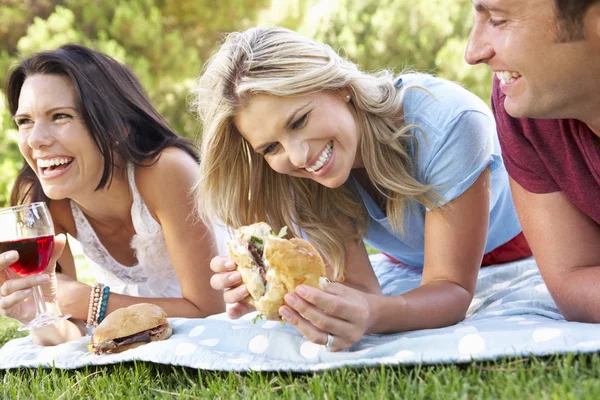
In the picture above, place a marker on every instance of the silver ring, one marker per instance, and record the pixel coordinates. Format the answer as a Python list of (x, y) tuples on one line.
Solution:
[(330, 339)]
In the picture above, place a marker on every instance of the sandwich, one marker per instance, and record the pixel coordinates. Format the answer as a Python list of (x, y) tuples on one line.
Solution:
[(272, 266), (130, 327)]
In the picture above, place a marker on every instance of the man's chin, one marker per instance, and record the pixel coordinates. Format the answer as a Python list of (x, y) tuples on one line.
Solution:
[(518, 110)]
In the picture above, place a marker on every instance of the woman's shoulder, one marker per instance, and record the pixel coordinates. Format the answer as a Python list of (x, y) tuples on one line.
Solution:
[(171, 172), (63, 216), (437, 102)]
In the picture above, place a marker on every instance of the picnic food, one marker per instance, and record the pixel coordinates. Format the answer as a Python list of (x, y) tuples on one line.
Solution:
[(130, 327), (272, 266)]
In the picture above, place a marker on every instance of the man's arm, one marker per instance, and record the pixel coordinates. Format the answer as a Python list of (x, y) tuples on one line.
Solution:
[(566, 245)]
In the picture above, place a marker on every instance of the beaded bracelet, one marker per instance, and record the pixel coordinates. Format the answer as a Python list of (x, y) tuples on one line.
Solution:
[(98, 304), (95, 296), (103, 304)]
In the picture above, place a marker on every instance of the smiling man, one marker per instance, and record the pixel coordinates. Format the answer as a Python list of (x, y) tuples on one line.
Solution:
[(546, 101)]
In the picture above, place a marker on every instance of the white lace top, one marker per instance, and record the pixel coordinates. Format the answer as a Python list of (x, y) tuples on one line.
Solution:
[(153, 275)]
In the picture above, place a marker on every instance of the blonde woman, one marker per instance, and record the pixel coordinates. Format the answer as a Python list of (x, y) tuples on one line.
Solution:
[(295, 135)]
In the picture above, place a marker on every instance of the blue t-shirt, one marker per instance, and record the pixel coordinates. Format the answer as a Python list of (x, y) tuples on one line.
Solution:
[(457, 142)]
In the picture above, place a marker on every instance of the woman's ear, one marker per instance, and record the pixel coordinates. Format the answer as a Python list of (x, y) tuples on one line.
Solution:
[(591, 26), (345, 95)]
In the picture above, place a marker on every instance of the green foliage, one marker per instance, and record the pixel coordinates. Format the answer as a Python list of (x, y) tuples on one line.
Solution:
[(50, 33), (426, 35), (165, 42), (450, 64), (10, 158)]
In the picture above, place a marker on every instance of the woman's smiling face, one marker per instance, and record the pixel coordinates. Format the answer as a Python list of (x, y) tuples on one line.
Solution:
[(54, 140), (313, 136)]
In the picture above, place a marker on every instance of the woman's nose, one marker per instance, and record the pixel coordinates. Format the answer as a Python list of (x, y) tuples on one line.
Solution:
[(39, 136), (298, 153)]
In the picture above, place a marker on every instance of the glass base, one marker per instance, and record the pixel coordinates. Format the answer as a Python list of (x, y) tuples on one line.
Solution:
[(43, 320)]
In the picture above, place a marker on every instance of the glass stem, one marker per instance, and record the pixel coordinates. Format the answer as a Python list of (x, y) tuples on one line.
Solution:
[(38, 298)]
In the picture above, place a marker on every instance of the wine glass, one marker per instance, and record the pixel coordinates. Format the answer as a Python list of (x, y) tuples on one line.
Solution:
[(29, 230)]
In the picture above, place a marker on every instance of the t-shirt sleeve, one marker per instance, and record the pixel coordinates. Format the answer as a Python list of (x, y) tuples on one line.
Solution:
[(521, 159), (463, 149)]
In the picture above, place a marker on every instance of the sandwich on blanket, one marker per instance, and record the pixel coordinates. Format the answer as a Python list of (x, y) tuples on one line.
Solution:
[(130, 327)]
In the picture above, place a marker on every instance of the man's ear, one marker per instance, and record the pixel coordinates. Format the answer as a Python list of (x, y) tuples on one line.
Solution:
[(591, 26)]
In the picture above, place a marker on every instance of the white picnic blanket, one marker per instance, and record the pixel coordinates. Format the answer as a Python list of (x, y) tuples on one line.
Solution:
[(512, 314)]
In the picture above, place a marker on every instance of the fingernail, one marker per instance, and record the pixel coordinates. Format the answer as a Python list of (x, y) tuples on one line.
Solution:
[(27, 292), (42, 278), (229, 265), (301, 290), (234, 276)]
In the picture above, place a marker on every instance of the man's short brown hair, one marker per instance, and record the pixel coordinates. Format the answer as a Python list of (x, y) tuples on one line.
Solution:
[(570, 15)]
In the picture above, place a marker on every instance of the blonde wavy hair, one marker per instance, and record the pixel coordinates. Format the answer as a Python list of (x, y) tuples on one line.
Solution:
[(237, 186)]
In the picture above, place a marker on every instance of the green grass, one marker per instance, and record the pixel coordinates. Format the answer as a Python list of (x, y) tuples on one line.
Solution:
[(556, 377)]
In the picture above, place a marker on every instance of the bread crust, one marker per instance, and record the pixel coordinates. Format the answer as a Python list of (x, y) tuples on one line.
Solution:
[(288, 263), (130, 320)]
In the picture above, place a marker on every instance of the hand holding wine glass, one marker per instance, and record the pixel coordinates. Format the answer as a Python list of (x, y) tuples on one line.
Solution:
[(14, 290), (29, 230)]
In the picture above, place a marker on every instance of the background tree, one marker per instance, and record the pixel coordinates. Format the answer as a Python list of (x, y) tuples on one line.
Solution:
[(426, 35), (166, 42)]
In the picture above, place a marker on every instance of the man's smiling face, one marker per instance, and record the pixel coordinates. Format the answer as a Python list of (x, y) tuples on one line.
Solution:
[(541, 75)]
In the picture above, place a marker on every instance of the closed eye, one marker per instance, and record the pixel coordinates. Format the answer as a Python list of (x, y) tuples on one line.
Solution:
[(300, 122), (496, 22), (59, 116), (21, 122), (270, 148)]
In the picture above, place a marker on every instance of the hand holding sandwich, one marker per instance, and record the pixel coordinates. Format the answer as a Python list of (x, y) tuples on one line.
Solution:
[(270, 266), (338, 310), (228, 278), (326, 313)]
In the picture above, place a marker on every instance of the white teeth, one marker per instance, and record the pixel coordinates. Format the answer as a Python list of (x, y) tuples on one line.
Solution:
[(507, 76), (322, 159), (53, 162)]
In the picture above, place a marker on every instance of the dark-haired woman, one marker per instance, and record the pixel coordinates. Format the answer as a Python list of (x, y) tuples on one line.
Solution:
[(117, 179)]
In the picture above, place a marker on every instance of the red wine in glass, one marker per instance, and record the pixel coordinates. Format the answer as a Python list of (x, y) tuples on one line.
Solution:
[(34, 254), (29, 230)]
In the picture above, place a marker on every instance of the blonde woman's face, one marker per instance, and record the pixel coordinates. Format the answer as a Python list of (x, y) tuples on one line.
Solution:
[(314, 136)]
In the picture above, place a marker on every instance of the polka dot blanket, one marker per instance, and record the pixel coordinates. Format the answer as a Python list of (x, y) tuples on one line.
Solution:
[(512, 314)]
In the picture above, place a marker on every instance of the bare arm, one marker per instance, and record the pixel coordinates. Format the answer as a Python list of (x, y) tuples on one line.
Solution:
[(566, 246), (454, 246), (166, 190), (358, 272)]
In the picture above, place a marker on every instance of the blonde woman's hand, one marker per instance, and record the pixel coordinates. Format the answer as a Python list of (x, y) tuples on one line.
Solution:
[(337, 310), (16, 299), (227, 278)]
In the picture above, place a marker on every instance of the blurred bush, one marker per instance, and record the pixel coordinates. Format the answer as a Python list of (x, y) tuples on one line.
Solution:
[(166, 42)]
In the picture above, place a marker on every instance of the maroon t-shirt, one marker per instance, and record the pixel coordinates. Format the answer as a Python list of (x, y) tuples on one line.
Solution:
[(550, 155)]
